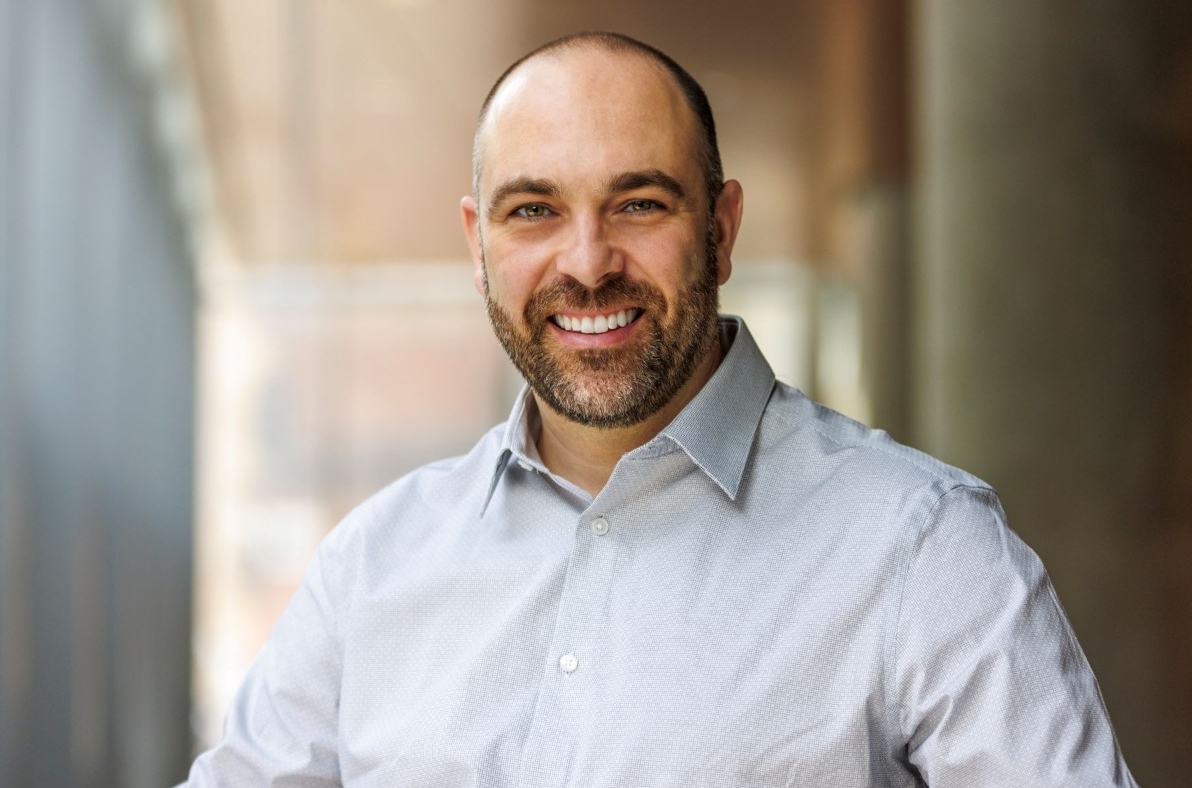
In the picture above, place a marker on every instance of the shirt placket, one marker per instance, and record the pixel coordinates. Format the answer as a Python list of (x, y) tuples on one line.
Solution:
[(573, 668)]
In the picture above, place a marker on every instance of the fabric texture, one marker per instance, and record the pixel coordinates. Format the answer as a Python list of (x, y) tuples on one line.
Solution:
[(766, 594)]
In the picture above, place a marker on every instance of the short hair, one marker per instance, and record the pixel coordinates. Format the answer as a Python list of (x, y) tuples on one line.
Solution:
[(693, 93)]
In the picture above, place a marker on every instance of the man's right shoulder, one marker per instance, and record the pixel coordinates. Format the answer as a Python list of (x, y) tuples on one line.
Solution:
[(444, 493)]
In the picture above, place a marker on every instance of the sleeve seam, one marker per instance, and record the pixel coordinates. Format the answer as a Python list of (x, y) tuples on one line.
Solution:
[(890, 671)]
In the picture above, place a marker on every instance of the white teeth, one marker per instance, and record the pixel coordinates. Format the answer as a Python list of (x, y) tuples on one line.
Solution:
[(598, 325)]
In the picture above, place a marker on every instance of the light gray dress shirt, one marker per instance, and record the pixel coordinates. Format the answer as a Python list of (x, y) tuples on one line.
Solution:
[(766, 594)]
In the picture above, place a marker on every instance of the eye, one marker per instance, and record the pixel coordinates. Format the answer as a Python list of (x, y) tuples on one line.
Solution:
[(533, 211), (640, 206)]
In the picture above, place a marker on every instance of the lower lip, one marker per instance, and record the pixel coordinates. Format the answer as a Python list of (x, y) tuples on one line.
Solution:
[(609, 338)]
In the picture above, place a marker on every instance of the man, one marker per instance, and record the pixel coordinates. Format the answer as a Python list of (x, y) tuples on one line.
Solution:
[(666, 569)]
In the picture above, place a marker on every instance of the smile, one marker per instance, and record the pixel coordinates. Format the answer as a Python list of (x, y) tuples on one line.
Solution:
[(596, 325)]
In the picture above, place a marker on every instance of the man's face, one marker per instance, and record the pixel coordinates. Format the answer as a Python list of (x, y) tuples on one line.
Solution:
[(595, 248)]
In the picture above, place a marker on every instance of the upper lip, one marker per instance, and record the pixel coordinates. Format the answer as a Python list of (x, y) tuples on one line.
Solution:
[(594, 313), (595, 322)]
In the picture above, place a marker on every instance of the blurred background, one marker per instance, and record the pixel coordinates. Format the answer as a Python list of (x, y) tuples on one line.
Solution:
[(235, 300)]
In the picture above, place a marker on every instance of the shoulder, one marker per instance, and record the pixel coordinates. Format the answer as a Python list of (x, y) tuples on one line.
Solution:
[(444, 494), (813, 456), (828, 436)]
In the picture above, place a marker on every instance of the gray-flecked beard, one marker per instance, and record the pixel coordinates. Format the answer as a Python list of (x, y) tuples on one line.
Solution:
[(621, 386)]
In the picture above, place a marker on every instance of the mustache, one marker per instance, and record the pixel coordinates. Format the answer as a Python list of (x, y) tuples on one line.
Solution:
[(567, 293)]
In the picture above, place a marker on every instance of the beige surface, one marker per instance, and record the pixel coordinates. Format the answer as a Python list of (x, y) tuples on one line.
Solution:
[(340, 130)]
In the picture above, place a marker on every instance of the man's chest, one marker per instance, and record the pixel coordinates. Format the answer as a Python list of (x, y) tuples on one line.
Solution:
[(619, 661)]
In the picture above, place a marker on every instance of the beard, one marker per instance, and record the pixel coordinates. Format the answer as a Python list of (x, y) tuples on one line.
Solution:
[(625, 385)]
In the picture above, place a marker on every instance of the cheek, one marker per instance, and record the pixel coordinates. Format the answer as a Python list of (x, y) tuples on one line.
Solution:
[(669, 262), (512, 278)]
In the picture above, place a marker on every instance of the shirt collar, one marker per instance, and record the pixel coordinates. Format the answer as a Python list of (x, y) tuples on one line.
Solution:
[(516, 440), (715, 429)]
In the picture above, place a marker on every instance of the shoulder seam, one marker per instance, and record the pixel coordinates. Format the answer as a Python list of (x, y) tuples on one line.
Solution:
[(934, 473)]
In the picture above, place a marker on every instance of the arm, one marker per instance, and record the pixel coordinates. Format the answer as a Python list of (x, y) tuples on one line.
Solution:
[(993, 688), (282, 727)]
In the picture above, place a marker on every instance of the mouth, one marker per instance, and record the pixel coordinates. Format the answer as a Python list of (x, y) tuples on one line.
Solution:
[(595, 324)]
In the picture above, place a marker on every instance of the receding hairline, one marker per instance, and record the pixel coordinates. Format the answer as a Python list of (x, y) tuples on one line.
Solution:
[(688, 88), (613, 43)]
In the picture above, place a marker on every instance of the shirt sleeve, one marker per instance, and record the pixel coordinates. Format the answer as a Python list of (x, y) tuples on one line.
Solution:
[(993, 689), (281, 730)]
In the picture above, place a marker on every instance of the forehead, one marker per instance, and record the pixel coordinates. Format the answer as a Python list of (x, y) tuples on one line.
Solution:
[(586, 113)]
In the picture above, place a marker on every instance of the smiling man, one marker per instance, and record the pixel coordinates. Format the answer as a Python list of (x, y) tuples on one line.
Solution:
[(666, 569), (608, 238)]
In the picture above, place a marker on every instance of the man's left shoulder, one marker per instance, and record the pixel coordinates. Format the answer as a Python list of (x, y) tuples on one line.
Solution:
[(820, 448)]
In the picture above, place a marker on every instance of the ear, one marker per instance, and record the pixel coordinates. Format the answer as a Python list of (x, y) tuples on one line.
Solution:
[(471, 218), (727, 219)]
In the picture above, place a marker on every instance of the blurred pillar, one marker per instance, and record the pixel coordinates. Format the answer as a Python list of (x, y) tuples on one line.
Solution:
[(854, 159), (96, 379), (1042, 356), (860, 154)]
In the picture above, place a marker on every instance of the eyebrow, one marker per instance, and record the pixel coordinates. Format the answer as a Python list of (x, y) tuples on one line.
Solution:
[(628, 181), (543, 187)]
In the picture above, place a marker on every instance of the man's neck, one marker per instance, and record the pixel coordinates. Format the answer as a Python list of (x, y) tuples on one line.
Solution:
[(586, 456)]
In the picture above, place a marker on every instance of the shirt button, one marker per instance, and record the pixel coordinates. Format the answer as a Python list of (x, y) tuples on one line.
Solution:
[(600, 526), (568, 663)]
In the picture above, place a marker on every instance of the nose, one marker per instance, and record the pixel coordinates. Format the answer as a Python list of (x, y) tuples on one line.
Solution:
[(587, 255)]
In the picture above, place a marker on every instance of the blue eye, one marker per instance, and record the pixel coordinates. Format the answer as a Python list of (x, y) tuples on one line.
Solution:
[(533, 211)]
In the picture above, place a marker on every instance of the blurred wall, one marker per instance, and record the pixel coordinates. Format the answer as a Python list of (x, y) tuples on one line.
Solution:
[(96, 382), (1051, 301)]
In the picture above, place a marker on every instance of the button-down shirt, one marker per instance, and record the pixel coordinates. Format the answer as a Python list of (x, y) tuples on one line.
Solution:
[(765, 594)]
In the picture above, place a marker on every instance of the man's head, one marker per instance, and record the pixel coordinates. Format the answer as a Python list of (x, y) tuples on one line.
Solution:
[(600, 227), (693, 93)]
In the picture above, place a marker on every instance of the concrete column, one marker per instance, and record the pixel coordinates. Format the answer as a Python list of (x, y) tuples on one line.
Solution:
[(1042, 357), (96, 392)]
